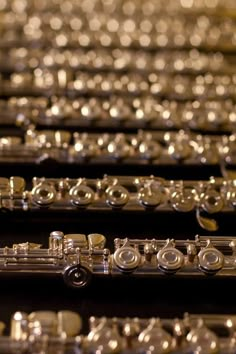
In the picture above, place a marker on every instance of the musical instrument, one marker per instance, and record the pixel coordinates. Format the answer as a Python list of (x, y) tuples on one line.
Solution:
[(111, 68), (50, 332), (159, 148), (126, 193), (78, 258), (119, 112)]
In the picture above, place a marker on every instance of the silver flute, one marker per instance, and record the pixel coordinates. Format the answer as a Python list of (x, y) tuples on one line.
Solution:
[(122, 60), (48, 332), (119, 112), (79, 258), (161, 148), (130, 112), (68, 82), (126, 193)]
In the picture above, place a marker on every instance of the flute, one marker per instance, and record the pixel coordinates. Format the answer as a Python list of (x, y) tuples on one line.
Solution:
[(122, 193), (72, 83), (105, 60), (118, 112), (79, 258), (160, 148), (50, 332)]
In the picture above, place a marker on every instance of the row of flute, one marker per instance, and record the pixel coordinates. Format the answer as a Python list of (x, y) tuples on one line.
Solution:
[(101, 25), (79, 258), (211, 7), (143, 147), (48, 332)]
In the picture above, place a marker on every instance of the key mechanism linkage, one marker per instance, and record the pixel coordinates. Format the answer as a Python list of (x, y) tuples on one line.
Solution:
[(128, 193), (79, 258)]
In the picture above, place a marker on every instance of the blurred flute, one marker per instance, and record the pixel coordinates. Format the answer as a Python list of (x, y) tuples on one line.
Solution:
[(79, 258), (44, 82), (42, 332), (105, 60), (120, 111), (118, 26), (165, 148)]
